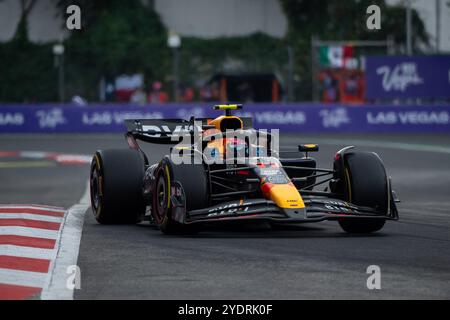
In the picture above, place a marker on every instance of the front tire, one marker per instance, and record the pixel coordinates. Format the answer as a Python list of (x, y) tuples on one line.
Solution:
[(366, 184), (116, 186)]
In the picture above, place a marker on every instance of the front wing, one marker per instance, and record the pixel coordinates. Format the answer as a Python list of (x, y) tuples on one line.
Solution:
[(316, 209)]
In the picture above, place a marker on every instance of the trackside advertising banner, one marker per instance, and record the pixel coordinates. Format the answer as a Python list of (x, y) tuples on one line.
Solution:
[(314, 118), (408, 77)]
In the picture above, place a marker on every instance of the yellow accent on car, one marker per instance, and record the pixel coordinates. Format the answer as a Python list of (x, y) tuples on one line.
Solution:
[(97, 161), (286, 196), (309, 147), (226, 107), (217, 144), (218, 122)]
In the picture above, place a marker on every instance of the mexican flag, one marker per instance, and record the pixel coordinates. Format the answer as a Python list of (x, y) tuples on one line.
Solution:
[(335, 56)]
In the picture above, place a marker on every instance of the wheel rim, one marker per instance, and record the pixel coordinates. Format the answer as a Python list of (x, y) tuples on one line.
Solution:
[(95, 189), (161, 198)]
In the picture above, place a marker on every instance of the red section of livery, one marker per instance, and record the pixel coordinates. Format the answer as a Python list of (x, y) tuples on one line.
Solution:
[(24, 264)]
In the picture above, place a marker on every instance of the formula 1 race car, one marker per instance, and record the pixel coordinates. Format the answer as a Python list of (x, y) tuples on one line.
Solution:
[(222, 169)]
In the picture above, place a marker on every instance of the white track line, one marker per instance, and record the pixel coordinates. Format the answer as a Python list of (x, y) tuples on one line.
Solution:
[(67, 249), (43, 206), (30, 217), (29, 232), (22, 278), (26, 252)]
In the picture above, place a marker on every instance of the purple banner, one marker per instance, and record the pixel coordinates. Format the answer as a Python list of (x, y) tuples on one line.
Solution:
[(314, 118), (408, 77)]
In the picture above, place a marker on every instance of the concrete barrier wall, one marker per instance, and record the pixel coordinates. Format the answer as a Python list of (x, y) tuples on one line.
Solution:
[(303, 117)]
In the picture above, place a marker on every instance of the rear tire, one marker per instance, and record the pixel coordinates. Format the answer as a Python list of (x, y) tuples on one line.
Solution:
[(366, 185), (194, 181), (116, 186)]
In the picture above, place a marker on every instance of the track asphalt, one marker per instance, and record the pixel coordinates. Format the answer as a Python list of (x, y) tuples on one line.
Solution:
[(290, 262)]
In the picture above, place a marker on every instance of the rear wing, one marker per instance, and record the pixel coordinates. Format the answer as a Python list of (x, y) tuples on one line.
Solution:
[(163, 131)]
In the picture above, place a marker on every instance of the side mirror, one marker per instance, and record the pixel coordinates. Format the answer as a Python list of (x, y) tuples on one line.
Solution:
[(308, 148)]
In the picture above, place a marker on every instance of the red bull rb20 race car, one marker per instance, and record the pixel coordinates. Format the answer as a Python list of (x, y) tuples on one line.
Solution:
[(222, 170)]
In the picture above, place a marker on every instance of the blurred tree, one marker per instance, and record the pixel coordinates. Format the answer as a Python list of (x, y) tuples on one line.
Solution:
[(28, 74), (342, 20), (91, 9), (26, 6), (128, 37), (116, 37), (346, 20), (255, 53)]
